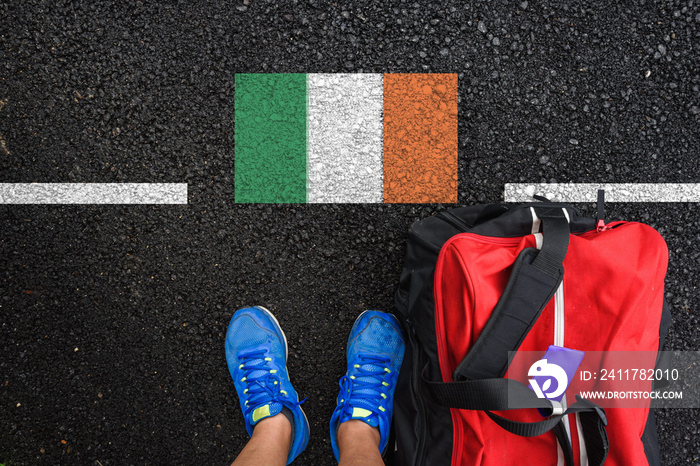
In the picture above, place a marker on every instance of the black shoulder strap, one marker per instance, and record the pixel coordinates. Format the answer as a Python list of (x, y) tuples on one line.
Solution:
[(535, 277)]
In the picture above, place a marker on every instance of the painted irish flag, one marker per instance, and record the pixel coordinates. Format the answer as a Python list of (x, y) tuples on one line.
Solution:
[(346, 138)]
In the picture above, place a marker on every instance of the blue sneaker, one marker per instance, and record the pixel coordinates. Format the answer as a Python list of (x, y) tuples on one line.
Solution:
[(375, 352), (256, 353)]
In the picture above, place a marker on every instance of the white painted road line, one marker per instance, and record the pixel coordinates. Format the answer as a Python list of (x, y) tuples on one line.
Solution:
[(93, 193), (614, 192)]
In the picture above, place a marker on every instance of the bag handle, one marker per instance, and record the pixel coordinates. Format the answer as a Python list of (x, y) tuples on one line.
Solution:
[(535, 278)]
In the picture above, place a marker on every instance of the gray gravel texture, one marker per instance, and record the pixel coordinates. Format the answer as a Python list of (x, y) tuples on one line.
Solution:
[(112, 318)]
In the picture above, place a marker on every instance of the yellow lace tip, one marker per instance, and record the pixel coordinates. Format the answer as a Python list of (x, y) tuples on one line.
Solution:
[(273, 371), (381, 409), (352, 377), (384, 396), (245, 392), (243, 379), (356, 366), (268, 359), (385, 384), (241, 366), (283, 392), (386, 369)]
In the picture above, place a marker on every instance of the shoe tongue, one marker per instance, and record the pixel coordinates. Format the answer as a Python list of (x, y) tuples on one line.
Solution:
[(360, 409), (369, 379), (268, 409), (258, 373)]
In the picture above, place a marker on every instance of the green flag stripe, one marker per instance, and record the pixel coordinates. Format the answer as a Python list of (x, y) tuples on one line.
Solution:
[(270, 139)]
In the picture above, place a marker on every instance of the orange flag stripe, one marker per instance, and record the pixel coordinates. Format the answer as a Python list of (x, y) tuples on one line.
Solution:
[(420, 138)]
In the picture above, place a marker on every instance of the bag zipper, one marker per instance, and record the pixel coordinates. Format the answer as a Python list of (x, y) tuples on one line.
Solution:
[(517, 239), (602, 226)]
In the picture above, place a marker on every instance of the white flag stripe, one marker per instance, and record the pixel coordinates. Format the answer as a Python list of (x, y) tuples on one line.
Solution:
[(614, 192), (93, 193), (344, 145)]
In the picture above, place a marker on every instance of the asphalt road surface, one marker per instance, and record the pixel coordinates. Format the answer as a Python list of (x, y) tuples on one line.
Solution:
[(112, 317)]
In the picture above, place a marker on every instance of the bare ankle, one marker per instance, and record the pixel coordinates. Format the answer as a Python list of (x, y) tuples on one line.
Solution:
[(355, 427), (358, 443), (274, 425), (269, 444)]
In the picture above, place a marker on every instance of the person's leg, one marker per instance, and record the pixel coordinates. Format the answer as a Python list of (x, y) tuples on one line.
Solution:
[(358, 443), (361, 421), (269, 445), (256, 354)]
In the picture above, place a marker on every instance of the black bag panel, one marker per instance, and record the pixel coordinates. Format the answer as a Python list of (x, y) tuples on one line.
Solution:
[(423, 428), (407, 420), (665, 324), (414, 297), (650, 440), (437, 229), (425, 239), (440, 434), (420, 253)]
